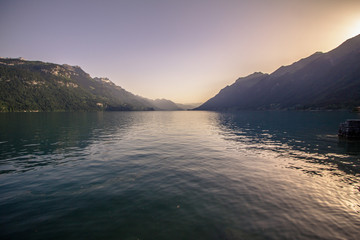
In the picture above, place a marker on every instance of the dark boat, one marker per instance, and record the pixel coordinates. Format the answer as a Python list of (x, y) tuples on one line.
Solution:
[(350, 129)]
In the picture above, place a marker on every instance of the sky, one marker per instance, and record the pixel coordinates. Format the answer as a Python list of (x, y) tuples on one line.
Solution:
[(185, 51)]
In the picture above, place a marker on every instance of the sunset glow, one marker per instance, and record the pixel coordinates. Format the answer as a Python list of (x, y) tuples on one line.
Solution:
[(355, 28), (182, 51)]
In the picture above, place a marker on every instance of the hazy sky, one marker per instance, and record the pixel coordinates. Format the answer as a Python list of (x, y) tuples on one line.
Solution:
[(182, 50)]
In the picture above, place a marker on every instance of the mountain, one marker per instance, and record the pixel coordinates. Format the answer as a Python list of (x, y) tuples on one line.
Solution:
[(39, 86), (188, 106), (321, 81), (164, 104)]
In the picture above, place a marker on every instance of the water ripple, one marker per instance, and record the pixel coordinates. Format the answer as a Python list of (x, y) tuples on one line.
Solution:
[(177, 175)]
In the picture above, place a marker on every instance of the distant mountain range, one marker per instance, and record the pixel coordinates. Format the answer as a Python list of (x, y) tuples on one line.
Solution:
[(38, 86), (321, 81)]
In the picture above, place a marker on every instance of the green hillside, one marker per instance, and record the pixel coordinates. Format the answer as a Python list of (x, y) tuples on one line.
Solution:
[(39, 86)]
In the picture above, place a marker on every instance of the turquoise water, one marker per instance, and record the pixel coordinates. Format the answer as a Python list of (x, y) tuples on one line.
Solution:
[(178, 175)]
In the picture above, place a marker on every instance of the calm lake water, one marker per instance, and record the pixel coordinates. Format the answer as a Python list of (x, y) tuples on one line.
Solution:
[(178, 175)]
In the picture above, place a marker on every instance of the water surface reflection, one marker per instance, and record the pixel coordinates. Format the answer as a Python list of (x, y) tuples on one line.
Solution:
[(308, 136), (176, 175), (31, 140)]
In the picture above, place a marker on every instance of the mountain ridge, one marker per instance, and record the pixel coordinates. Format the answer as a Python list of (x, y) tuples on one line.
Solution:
[(40, 86), (328, 80)]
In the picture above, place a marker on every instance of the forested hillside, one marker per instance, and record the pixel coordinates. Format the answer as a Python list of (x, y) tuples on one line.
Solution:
[(39, 86)]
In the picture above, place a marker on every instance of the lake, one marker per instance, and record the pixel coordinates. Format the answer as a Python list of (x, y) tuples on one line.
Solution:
[(178, 175)]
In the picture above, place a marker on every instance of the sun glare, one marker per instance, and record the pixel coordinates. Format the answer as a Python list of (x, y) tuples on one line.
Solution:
[(354, 30)]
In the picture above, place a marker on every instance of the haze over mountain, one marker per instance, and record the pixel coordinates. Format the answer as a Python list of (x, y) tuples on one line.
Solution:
[(39, 86), (185, 51), (321, 81)]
